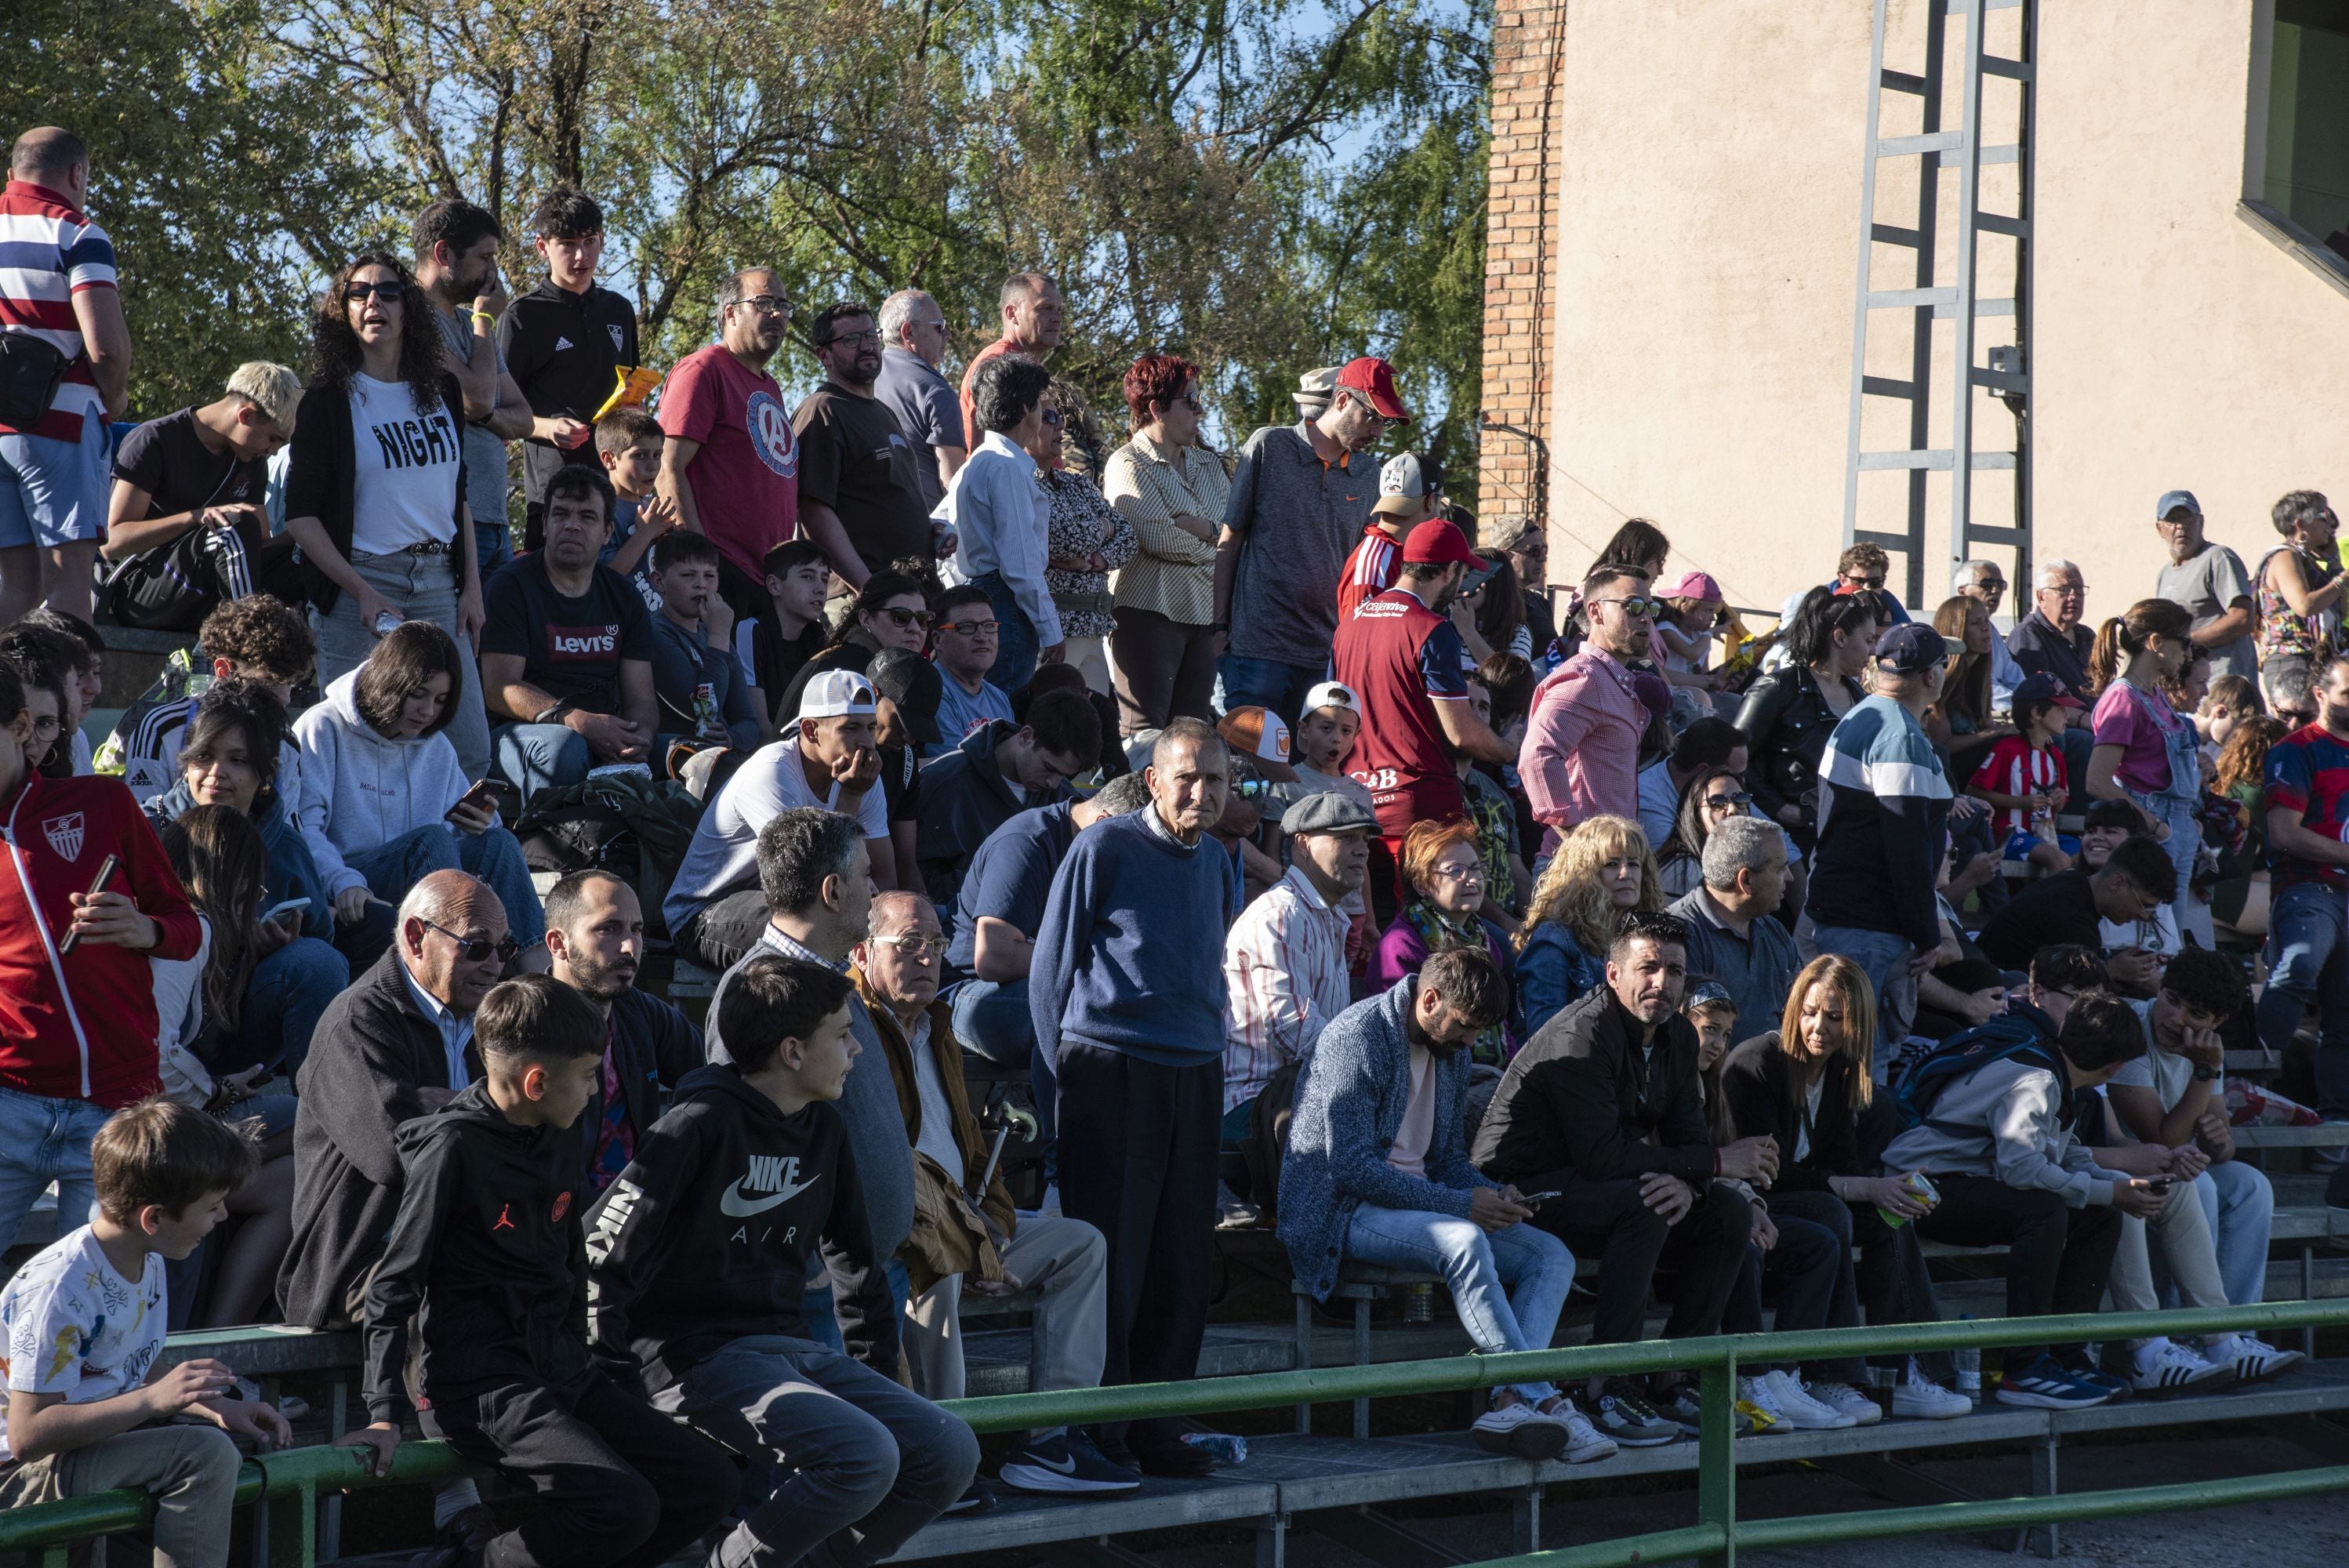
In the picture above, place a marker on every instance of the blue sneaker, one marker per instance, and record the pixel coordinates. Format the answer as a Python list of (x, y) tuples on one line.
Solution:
[(2046, 1385), (2083, 1370)]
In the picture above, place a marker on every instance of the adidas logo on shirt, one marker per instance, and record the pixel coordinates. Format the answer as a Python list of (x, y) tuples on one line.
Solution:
[(561, 342)]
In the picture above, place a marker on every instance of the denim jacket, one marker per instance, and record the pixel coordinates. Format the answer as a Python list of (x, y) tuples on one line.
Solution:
[(1551, 972)]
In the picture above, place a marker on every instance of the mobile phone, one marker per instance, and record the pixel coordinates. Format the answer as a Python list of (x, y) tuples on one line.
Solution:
[(2159, 1185), (482, 797), (290, 906), (96, 886), (1535, 1200)]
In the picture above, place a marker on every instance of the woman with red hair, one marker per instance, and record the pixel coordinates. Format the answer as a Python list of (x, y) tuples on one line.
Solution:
[(1173, 491), (1443, 872)]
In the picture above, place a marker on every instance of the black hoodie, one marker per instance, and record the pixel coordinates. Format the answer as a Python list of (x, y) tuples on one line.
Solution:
[(713, 1231), (486, 1250)]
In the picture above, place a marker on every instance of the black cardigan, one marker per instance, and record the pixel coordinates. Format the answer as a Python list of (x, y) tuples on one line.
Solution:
[(1762, 1087), (322, 475)]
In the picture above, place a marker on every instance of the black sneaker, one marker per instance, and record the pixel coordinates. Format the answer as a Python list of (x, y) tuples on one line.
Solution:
[(1169, 1455), (1629, 1419), (1064, 1464)]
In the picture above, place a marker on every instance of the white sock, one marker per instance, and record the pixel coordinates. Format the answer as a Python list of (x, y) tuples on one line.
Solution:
[(453, 1498)]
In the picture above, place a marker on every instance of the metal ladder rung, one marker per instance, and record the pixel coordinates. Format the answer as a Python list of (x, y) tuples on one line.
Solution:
[(2006, 152), (2013, 70), (1910, 146), (1935, 460), (1961, 8), (1896, 542), (2000, 223), (1893, 234), (1994, 535), (1902, 82), (1983, 307), (1886, 386), (2001, 380), (1910, 299)]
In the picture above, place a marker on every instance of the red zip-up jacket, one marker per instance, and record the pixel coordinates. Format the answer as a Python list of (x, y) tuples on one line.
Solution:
[(83, 1026)]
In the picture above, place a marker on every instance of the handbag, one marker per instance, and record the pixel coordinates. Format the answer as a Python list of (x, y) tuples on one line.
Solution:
[(31, 368)]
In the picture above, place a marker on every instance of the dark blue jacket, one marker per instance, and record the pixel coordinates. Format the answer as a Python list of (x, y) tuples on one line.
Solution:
[(965, 798), (292, 872)]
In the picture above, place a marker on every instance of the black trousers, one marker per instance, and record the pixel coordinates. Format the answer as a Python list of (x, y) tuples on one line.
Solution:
[(1702, 1254), (724, 929), (1138, 1149), (618, 1484), (2057, 1258), (1892, 1282), (1809, 1274)]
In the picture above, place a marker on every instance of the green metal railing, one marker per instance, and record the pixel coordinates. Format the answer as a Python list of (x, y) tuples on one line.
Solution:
[(289, 1485)]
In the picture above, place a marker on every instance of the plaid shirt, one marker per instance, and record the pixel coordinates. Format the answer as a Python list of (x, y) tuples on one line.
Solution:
[(1284, 968)]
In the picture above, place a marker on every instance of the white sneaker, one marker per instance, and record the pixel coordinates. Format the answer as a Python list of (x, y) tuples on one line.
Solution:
[(1520, 1431), (1799, 1410), (1849, 1400), (2251, 1357), (1919, 1396), (1584, 1442), (1755, 1391), (2166, 1367)]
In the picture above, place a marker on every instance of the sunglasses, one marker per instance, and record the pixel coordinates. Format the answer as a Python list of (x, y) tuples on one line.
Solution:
[(1252, 789), (970, 628), (1739, 800), (358, 293), (476, 949), (906, 617), (1053, 418), (1638, 608), (1877, 582)]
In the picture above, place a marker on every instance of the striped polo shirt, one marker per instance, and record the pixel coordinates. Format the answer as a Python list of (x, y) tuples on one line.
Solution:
[(48, 254)]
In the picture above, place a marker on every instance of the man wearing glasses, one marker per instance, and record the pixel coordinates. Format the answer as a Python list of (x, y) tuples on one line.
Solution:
[(1299, 502), (963, 647), (860, 484), (912, 340), (1983, 581), (731, 465), (2051, 641), (1861, 568), (1581, 753)]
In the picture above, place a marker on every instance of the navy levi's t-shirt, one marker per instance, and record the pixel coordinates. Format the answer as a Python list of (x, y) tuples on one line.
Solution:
[(571, 649)]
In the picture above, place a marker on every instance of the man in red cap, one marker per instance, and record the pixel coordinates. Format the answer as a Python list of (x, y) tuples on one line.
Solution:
[(1299, 502), (1403, 656)]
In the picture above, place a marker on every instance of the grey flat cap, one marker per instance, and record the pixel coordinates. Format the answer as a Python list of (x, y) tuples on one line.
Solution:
[(1329, 812)]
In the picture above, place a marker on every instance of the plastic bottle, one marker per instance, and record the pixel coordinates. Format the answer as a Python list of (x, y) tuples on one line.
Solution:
[(1969, 1366)]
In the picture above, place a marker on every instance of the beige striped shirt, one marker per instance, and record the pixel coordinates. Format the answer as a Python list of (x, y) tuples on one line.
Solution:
[(1172, 572)]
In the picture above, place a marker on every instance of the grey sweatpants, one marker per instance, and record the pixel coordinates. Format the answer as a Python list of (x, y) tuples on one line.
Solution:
[(1068, 1261), (190, 1471)]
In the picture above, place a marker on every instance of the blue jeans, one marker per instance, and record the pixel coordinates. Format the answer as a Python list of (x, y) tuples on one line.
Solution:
[(492, 547), (1533, 1266), (53, 492), (992, 1020), (535, 757), (1268, 683), (2240, 1204), (1884, 957), (495, 857), (44, 1141), (1015, 644), (2308, 961), (2185, 838), (283, 1000)]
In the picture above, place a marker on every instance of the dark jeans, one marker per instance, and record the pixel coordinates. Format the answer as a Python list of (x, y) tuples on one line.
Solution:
[(2308, 957), (1705, 1251), (1809, 1270), (617, 1484), (1268, 683), (1164, 669), (1892, 1282), (1138, 1145), (717, 936), (2057, 1259), (1015, 644)]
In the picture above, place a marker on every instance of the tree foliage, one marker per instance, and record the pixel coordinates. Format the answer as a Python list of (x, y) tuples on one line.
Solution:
[(1262, 187)]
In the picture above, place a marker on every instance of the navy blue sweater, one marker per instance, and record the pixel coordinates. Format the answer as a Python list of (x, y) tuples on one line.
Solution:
[(1129, 954)]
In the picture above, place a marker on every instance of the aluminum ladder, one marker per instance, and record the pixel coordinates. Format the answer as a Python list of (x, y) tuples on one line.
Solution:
[(1930, 299)]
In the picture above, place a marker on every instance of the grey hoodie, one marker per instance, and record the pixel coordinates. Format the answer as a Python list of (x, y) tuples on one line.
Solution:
[(359, 790), (2021, 1142)]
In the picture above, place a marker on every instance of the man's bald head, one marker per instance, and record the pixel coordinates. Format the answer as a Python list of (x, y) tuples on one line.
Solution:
[(898, 911), (440, 919), (47, 155), (444, 897)]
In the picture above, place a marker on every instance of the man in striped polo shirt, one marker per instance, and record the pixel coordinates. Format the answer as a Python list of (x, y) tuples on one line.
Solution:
[(65, 373), (1407, 487)]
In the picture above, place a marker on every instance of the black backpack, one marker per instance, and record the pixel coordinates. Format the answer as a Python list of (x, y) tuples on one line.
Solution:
[(2007, 1036)]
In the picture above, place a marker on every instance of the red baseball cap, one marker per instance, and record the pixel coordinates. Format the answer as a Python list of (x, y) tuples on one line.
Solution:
[(1439, 543), (1374, 378)]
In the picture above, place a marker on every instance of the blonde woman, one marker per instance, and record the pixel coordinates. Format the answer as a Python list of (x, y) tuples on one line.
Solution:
[(1603, 870), (1810, 1084)]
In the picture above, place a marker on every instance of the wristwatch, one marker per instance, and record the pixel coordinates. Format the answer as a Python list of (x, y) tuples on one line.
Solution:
[(2203, 1073)]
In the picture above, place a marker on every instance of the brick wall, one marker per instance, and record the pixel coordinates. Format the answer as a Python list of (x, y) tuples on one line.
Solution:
[(1520, 256)]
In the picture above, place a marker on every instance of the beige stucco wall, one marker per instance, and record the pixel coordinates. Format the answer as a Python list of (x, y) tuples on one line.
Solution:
[(1710, 196)]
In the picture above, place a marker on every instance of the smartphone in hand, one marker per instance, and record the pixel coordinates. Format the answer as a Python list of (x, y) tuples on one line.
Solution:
[(482, 797)]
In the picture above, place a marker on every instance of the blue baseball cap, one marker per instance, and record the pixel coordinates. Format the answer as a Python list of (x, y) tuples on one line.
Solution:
[(1909, 649)]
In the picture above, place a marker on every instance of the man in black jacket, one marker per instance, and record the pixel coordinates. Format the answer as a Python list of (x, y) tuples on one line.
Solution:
[(487, 1259), (994, 775), (595, 937), (1603, 1107), (702, 1250)]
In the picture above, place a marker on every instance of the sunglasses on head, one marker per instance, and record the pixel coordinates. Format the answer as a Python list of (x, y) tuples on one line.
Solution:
[(904, 617), (476, 949)]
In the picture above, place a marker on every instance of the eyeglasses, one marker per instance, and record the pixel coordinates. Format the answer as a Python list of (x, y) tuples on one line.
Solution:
[(475, 949), (1053, 418), (916, 946), (1363, 404), (1737, 802), (1189, 401), (1638, 608), (1472, 872), (970, 628), (904, 617), (768, 305), (357, 292), (48, 727), (870, 334)]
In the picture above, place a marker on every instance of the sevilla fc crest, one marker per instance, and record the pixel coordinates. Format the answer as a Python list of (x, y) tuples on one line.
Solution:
[(65, 834)]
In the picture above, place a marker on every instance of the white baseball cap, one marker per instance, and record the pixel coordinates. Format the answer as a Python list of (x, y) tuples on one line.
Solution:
[(837, 694), (1330, 694)]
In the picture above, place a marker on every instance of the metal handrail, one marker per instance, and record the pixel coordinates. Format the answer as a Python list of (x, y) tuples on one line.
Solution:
[(289, 1485)]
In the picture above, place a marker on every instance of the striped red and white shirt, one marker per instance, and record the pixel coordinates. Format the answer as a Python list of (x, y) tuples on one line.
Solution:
[(2015, 768), (1285, 978), (1369, 571), (48, 254)]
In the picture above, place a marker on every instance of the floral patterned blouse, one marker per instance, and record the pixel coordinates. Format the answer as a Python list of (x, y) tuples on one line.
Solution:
[(1082, 522)]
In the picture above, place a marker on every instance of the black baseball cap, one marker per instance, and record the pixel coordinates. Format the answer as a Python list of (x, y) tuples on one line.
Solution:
[(914, 686)]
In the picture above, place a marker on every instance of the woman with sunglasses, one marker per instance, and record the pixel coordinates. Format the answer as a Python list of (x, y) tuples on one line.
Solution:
[(1789, 711), (1173, 489), (889, 612), (1089, 539), (1712, 798), (383, 802), (1443, 871), (1001, 516), (374, 493)]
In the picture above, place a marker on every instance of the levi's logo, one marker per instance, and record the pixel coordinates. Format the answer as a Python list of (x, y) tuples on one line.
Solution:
[(583, 645)]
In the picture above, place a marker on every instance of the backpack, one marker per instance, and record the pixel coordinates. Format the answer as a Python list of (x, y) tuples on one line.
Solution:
[(629, 823), (2007, 1036)]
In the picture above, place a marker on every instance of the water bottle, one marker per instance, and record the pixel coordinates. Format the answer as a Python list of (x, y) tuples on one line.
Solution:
[(1969, 1365), (1419, 1306), (1225, 1448)]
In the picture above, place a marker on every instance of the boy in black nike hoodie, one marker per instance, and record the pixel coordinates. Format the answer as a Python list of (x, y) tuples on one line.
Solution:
[(700, 1251), (488, 1245)]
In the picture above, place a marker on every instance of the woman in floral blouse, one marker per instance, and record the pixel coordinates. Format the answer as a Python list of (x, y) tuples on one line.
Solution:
[(1087, 541)]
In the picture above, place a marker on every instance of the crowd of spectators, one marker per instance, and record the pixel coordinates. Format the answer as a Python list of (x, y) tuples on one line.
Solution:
[(1306, 866)]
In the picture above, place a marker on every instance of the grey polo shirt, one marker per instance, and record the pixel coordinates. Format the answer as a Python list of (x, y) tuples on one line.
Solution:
[(485, 455), (1758, 968), (928, 410), (1299, 516)]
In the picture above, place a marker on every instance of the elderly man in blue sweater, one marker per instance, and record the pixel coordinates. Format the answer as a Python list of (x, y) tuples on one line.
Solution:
[(1377, 1172), (1126, 988)]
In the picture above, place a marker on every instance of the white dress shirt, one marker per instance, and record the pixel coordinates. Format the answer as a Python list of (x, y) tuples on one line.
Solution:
[(1002, 517)]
